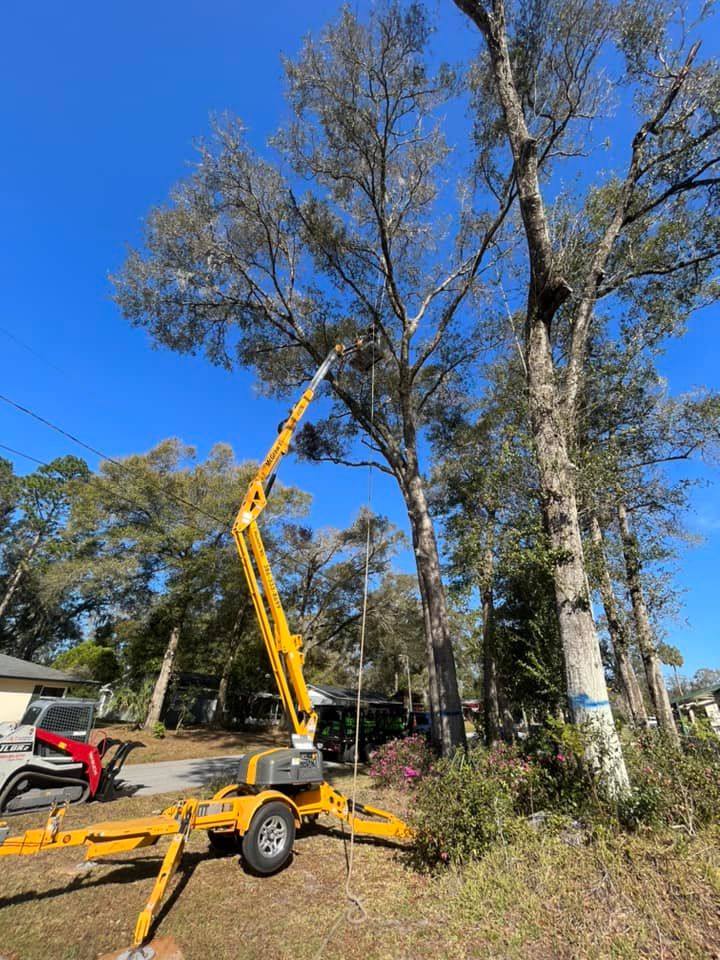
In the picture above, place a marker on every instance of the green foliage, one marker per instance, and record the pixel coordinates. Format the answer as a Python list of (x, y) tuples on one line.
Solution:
[(39, 608), (463, 806), (158, 730), (564, 782), (90, 661), (402, 763), (673, 786), (459, 812), (133, 701)]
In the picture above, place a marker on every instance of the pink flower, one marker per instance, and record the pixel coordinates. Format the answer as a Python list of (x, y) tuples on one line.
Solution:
[(560, 758), (444, 857)]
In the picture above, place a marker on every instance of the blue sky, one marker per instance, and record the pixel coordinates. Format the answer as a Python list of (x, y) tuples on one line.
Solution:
[(100, 104)]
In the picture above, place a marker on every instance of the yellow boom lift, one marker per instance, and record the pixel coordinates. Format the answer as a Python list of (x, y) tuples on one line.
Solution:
[(276, 789)]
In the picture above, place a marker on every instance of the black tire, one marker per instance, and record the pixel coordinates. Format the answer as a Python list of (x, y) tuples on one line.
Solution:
[(267, 845), (224, 842)]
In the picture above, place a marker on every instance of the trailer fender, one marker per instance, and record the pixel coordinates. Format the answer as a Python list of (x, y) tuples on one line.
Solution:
[(248, 811), (251, 803)]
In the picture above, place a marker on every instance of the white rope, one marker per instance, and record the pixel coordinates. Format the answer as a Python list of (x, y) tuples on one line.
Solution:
[(352, 897), (356, 913)]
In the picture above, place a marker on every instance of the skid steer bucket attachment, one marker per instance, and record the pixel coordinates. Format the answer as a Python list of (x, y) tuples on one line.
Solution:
[(110, 786)]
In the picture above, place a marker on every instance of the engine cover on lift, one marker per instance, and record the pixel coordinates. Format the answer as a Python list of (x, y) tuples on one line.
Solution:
[(281, 767)]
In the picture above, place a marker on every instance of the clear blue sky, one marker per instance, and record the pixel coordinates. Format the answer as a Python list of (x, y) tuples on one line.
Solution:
[(99, 107)]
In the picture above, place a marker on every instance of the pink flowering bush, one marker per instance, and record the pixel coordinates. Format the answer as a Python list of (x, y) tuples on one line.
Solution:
[(465, 805), (673, 785), (401, 763), (563, 782)]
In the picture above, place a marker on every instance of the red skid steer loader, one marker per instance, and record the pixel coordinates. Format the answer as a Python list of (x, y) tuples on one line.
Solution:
[(46, 758)]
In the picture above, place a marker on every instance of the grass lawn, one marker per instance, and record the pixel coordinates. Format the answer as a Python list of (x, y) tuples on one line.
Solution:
[(190, 742), (542, 898)]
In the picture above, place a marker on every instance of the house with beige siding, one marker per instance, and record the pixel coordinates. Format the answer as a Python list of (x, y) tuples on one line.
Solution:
[(699, 705), (20, 680)]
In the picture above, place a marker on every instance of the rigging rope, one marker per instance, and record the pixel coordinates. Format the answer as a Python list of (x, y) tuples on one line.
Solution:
[(361, 914)]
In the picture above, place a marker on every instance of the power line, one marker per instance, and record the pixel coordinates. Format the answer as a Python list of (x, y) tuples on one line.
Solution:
[(325, 578), (19, 453), (25, 346), (128, 471), (103, 456)]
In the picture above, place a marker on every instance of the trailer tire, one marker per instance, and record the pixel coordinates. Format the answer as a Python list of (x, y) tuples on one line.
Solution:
[(268, 842), (224, 842)]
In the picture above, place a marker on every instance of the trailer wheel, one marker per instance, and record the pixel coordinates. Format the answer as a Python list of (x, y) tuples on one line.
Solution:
[(268, 842), (224, 842)]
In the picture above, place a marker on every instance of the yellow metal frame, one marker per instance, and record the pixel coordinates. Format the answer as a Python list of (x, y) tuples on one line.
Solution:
[(226, 812), (283, 648)]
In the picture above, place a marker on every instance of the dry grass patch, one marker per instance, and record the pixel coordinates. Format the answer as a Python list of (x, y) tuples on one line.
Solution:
[(643, 896), (191, 743)]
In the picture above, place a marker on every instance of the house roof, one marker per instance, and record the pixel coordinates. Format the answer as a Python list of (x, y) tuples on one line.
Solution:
[(343, 696), (25, 670), (701, 693)]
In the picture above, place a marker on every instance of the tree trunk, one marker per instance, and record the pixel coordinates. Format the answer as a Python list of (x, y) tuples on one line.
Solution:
[(651, 662), (548, 290), (17, 574), (220, 714), (163, 681), (448, 723), (617, 629), (585, 678), (491, 713)]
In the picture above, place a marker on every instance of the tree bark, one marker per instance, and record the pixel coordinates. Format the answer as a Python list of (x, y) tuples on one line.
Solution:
[(220, 715), (163, 681), (547, 291), (587, 689), (448, 723), (617, 629), (18, 572), (651, 662), (491, 713)]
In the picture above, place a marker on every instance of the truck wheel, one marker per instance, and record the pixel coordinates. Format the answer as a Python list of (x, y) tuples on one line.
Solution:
[(267, 845)]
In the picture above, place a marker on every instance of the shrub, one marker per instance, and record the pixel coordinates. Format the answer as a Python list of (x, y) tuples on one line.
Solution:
[(401, 763), (563, 781), (159, 730), (467, 804), (459, 811), (508, 765), (672, 785)]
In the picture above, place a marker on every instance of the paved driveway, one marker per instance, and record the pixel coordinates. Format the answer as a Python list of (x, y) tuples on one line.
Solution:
[(168, 775)]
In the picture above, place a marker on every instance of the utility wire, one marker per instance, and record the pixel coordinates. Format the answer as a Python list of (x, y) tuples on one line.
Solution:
[(225, 523), (19, 453), (103, 456), (25, 346)]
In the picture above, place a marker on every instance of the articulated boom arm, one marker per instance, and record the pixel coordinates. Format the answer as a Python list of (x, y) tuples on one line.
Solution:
[(283, 648)]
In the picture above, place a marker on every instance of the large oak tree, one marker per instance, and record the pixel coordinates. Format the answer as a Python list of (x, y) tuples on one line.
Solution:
[(268, 263)]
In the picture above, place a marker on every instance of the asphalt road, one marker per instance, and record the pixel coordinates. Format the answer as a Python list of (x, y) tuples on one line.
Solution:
[(165, 776)]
